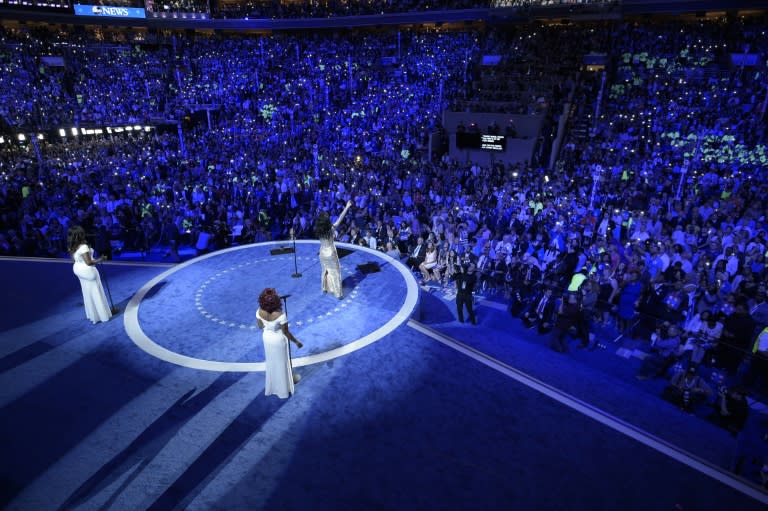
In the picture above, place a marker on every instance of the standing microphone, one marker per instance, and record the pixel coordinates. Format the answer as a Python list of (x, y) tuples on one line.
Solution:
[(296, 273), (283, 297), (103, 275)]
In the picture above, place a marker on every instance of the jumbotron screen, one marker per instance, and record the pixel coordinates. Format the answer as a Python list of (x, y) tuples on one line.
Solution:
[(110, 8), (482, 141)]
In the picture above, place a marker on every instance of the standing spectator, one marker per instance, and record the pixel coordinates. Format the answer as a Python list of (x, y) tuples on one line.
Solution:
[(465, 280), (629, 300), (665, 344), (738, 332)]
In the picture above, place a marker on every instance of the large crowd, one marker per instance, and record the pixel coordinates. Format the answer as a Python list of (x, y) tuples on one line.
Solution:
[(652, 223), (335, 8), (254, 9)]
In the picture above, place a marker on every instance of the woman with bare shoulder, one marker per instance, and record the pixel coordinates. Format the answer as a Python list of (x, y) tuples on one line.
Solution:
[(95, 301), (272, 321)]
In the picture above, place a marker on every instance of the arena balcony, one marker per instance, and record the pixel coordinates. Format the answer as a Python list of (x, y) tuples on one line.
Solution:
[(336, 14)]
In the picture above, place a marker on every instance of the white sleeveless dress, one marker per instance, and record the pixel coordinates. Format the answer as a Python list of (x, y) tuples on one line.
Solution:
[(95, 301), (279, 374)]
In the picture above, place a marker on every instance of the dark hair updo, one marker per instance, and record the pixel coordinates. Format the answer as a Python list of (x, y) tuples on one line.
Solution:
[(75, 238), (269, 301)]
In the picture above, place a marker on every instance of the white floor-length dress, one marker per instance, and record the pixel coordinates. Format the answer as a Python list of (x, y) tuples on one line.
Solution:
[(94, 299), (279, 374)]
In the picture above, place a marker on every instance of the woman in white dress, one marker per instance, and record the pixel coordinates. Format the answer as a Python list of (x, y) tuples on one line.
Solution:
[(95, 301), (430, 263), (273, 323), (329, 258)]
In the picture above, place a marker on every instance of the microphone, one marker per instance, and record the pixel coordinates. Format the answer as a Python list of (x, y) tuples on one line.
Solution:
[(283, 297)]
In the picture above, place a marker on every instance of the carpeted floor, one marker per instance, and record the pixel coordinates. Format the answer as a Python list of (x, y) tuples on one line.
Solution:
[(427, 413)]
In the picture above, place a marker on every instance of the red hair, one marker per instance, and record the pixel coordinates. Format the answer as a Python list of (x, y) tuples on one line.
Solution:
[(269, 300)]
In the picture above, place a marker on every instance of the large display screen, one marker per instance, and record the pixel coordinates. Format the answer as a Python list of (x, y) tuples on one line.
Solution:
[(111, 8), (482, 141), (34, 4)]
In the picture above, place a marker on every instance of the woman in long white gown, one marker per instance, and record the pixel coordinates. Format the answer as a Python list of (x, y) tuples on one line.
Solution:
[(272, 321), (95, 301), (329, 258)]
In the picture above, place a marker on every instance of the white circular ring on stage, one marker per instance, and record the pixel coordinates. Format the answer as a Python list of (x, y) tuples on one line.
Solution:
[(137, 335)]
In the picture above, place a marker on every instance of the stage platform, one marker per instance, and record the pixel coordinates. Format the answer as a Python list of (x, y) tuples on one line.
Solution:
[(214, 298), (400, 406)]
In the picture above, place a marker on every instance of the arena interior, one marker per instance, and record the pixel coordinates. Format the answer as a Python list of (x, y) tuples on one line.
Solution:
[(601, 165)]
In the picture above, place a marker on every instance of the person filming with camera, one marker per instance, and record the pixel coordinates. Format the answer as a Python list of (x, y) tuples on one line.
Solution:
[(465, 279)]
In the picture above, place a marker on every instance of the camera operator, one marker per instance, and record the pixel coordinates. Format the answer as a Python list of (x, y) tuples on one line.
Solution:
[(465, 280), (687, 389), (731, 409)]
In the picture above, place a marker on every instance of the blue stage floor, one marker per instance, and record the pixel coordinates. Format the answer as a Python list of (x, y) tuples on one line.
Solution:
[(400, 406)]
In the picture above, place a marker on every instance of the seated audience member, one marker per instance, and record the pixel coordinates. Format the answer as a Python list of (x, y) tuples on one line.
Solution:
[(446, 262), (665, 348), (428, 267), (391, 250), (497, 271), (370, 240), (416, 254), (702, 331), (687, 389)]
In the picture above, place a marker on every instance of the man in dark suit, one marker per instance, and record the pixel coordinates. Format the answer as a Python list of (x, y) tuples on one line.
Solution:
[(416, 254), (541, 311), (465, 280), (483, 269)]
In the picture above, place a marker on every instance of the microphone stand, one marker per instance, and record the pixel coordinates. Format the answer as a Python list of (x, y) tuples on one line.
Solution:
[(285, 308), (112, 308), (296, 273)]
